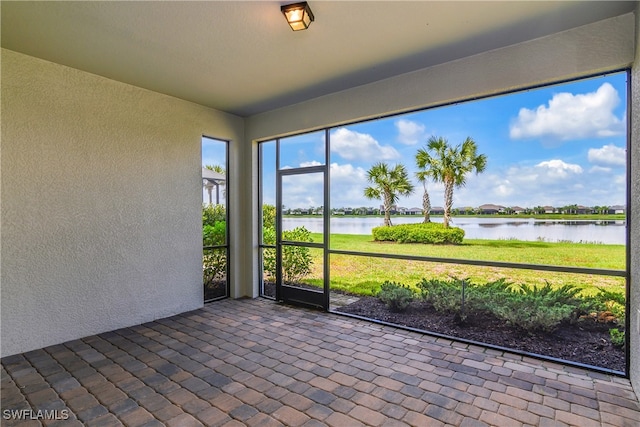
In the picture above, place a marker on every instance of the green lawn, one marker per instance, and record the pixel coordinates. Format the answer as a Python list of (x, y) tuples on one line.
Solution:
[(363, 275)]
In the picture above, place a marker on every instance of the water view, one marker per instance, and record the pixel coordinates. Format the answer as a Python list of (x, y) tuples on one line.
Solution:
[(610, 232)]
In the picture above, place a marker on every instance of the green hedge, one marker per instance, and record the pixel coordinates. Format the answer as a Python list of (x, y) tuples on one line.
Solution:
[(530, 308), (211, 214), (431, 232), (296, 260), (214, 261), (214, 235)]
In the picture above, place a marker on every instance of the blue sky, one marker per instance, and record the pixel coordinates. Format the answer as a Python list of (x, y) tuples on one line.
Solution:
[(559, 145)]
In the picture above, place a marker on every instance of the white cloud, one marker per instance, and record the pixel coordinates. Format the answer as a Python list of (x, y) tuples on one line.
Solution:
[(352, 145), (558, 169), (302, 191), (570, 116), (306, 190), (409, 132), (599, 169), (505, 189), (552, 182), (347, 186), (348, 173), (608, 155), (310, 164)]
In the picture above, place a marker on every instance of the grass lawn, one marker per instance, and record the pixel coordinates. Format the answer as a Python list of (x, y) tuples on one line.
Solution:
[(363, 275)]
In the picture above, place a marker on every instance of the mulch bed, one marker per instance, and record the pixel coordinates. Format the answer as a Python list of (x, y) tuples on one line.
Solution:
[(215, 289), (586, 342)]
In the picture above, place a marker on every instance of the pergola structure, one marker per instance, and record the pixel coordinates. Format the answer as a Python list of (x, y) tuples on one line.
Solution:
[(211, 179), (104, 105)]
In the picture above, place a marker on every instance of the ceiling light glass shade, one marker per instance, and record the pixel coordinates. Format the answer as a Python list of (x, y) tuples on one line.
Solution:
[(298, 15)]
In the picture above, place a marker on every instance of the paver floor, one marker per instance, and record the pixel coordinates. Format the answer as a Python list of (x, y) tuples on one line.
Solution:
[(259, 363)]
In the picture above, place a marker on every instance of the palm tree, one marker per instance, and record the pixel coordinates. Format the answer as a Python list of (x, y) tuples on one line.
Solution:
[(450, 165), (215, 168), (388, 185), (423, 161)]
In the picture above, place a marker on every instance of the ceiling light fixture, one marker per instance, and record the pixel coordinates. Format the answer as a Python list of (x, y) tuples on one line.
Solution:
[(298, 15)]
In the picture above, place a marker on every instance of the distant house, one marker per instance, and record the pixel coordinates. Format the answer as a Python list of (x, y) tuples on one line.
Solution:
[(489, 209), (617, 209), (437, 210), (415, 211), (517, 210), (583, 210), (392, 211), (549, 209)]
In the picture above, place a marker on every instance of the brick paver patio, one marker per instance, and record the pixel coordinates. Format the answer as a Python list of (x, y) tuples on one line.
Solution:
[(258, 363)]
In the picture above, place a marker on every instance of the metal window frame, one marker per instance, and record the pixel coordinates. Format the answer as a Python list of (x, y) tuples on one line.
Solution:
[(226, 245), (536, 267)]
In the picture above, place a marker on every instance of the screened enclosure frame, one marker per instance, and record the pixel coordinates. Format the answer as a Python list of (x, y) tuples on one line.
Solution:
[(483, 263)]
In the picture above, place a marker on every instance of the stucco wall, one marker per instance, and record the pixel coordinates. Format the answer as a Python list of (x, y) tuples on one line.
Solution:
[(101, 202)]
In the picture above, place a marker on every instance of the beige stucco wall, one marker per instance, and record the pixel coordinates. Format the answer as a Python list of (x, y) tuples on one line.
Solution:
[(101, 202)]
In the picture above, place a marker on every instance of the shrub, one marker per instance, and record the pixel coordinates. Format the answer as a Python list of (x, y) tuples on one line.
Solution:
[(214, 261), (617, 337), (214, 235), (532, 314), (214, 266), (536, 308), (214, 229), (445, 296), (461, 297), (212, 214), (527, 307), (605, 301), (269, 216), (296, 260), (431, 232), (396, 296)]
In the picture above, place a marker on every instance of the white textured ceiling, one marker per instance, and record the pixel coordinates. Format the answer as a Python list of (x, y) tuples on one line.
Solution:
[(241, 57)]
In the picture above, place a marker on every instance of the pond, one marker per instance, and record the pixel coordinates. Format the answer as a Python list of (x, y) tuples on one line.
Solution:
[(610, 232)]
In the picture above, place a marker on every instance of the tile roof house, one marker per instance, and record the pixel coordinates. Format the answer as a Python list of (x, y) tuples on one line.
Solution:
[(617, 209), (517, 210), (488, 209)]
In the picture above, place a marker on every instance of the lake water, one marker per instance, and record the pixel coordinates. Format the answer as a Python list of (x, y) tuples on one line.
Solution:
[(585, 231)]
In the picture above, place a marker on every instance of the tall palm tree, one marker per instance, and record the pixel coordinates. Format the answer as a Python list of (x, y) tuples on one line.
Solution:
[(450, 165), (388, 185), (423, 161)]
